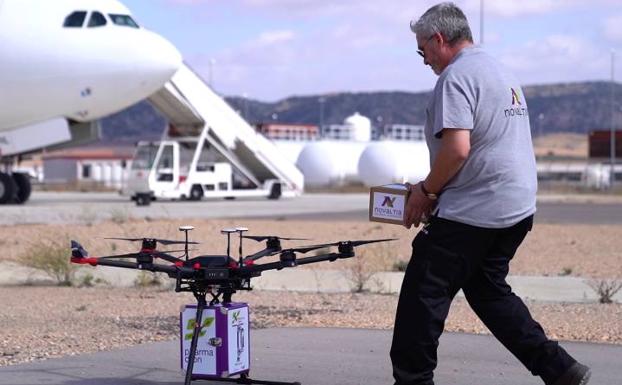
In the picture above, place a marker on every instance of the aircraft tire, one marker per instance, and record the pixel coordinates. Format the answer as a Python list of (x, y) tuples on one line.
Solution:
[(7, 188), (24, 187)]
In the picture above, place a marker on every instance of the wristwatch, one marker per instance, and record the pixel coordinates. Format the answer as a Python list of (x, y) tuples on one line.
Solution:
[(431, 196)]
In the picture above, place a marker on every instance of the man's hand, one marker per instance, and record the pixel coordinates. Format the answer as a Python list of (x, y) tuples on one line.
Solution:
[(418, 207)]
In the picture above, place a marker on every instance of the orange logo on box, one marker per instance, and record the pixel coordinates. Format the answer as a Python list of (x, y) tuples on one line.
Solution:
[(388, 201)]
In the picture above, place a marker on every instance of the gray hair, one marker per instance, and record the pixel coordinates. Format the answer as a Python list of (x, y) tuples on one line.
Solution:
[(445, 18)]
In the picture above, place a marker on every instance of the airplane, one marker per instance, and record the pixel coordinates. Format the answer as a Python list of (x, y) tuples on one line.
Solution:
[(64, 63)]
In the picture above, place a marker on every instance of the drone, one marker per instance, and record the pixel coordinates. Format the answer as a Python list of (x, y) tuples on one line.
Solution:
[(223, 333)]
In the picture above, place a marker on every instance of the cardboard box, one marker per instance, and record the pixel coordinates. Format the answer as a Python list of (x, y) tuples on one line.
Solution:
[(386, 203), (223, 346)]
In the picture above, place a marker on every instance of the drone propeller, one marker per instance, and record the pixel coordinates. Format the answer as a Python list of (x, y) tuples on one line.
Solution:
[(260, 238), (161, 241), (347, 244)]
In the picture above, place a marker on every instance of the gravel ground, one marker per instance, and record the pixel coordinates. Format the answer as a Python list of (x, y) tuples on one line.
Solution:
[(41, 322), (589, 251), (46, 322)]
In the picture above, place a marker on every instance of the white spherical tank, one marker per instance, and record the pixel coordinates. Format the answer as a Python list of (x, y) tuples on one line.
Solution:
[(390, 161), (291, 149), (360, 127), (327, 163), (319, 163)]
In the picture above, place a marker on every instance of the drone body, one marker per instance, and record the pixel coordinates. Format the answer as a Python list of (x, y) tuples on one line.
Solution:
[(219, 276)]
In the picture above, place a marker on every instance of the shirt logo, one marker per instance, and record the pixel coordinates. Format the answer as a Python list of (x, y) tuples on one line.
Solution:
[(388, 201), (515, 97), (517, 108)]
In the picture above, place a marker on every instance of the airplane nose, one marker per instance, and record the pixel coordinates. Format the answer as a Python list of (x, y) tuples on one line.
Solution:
[(160, 57), (170, 56)]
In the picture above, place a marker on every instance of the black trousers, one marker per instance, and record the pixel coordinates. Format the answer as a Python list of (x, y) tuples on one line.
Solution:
[(448, 256)]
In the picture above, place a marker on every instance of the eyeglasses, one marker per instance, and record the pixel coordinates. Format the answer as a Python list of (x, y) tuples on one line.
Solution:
[(421, 51)]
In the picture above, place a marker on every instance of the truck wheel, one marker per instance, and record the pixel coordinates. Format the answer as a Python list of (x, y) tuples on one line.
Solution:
[(143, 199), (7, 188), (24, 188), (196, 193), (275, 191)]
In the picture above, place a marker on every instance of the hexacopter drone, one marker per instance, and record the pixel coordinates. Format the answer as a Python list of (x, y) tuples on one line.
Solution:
[(218, 332)]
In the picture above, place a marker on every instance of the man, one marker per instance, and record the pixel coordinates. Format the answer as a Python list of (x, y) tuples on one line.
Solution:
[(480, 199)]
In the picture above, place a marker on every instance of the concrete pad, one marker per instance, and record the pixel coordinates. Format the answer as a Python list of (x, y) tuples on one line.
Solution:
[(313, 357)]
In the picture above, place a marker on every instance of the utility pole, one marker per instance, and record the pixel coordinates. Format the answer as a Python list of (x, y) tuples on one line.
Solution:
[(211, 73), (321, 100), (612, 142)]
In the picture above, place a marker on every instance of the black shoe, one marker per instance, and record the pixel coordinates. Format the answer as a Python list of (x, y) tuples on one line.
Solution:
[(578, 374)]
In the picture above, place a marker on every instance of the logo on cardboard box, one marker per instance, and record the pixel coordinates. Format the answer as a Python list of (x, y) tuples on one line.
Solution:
[(387, 207)]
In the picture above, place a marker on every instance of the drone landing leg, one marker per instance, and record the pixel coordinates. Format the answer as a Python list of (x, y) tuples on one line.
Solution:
[(195, 335)]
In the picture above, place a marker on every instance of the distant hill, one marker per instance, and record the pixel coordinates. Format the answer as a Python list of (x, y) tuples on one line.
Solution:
[(569, 107)]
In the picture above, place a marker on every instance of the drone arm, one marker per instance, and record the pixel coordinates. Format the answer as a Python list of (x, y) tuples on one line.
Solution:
[(255, 270), (263, 253), (172, 271), (332, 257)]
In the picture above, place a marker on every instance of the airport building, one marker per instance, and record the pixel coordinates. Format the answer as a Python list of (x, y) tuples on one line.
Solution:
[(294, 132), (92, 167)]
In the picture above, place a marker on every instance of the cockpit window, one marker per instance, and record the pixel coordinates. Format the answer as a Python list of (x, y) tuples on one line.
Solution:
[(97, 20), (75, 19), (123, 20)]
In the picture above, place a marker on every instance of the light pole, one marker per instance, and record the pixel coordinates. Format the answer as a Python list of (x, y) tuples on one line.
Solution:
[(211, 73), (540, 119), (612, 142), (321, 100)]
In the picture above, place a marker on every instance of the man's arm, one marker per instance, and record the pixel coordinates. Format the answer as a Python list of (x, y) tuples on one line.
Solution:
[(454, 150)]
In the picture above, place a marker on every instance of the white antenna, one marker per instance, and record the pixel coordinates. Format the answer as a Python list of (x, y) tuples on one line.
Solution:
[(185, 229), (241, 230), (228, 231)]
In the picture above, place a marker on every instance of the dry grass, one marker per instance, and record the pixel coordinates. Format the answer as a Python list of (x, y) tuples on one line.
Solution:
[(561, 145)]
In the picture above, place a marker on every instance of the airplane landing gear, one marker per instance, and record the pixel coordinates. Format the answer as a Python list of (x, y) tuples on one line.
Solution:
[(14, 188), (7, 188), (24, 188)]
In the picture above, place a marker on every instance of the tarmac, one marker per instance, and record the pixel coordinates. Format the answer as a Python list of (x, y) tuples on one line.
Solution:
[(313, 357)]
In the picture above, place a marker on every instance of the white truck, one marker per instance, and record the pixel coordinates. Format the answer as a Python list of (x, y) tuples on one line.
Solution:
[(207, 151), (180, 169)]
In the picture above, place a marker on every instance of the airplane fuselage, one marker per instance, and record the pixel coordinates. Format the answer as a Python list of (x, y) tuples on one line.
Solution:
[(69, 60), (49, 69)]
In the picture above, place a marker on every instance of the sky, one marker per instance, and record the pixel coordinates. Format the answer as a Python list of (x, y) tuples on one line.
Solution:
[(271, 49)]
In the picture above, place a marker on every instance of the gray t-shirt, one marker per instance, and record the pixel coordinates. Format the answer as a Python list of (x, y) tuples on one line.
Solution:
[(496, 187)]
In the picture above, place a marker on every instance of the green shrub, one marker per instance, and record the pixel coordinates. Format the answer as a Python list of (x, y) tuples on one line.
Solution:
[(53, 258)]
